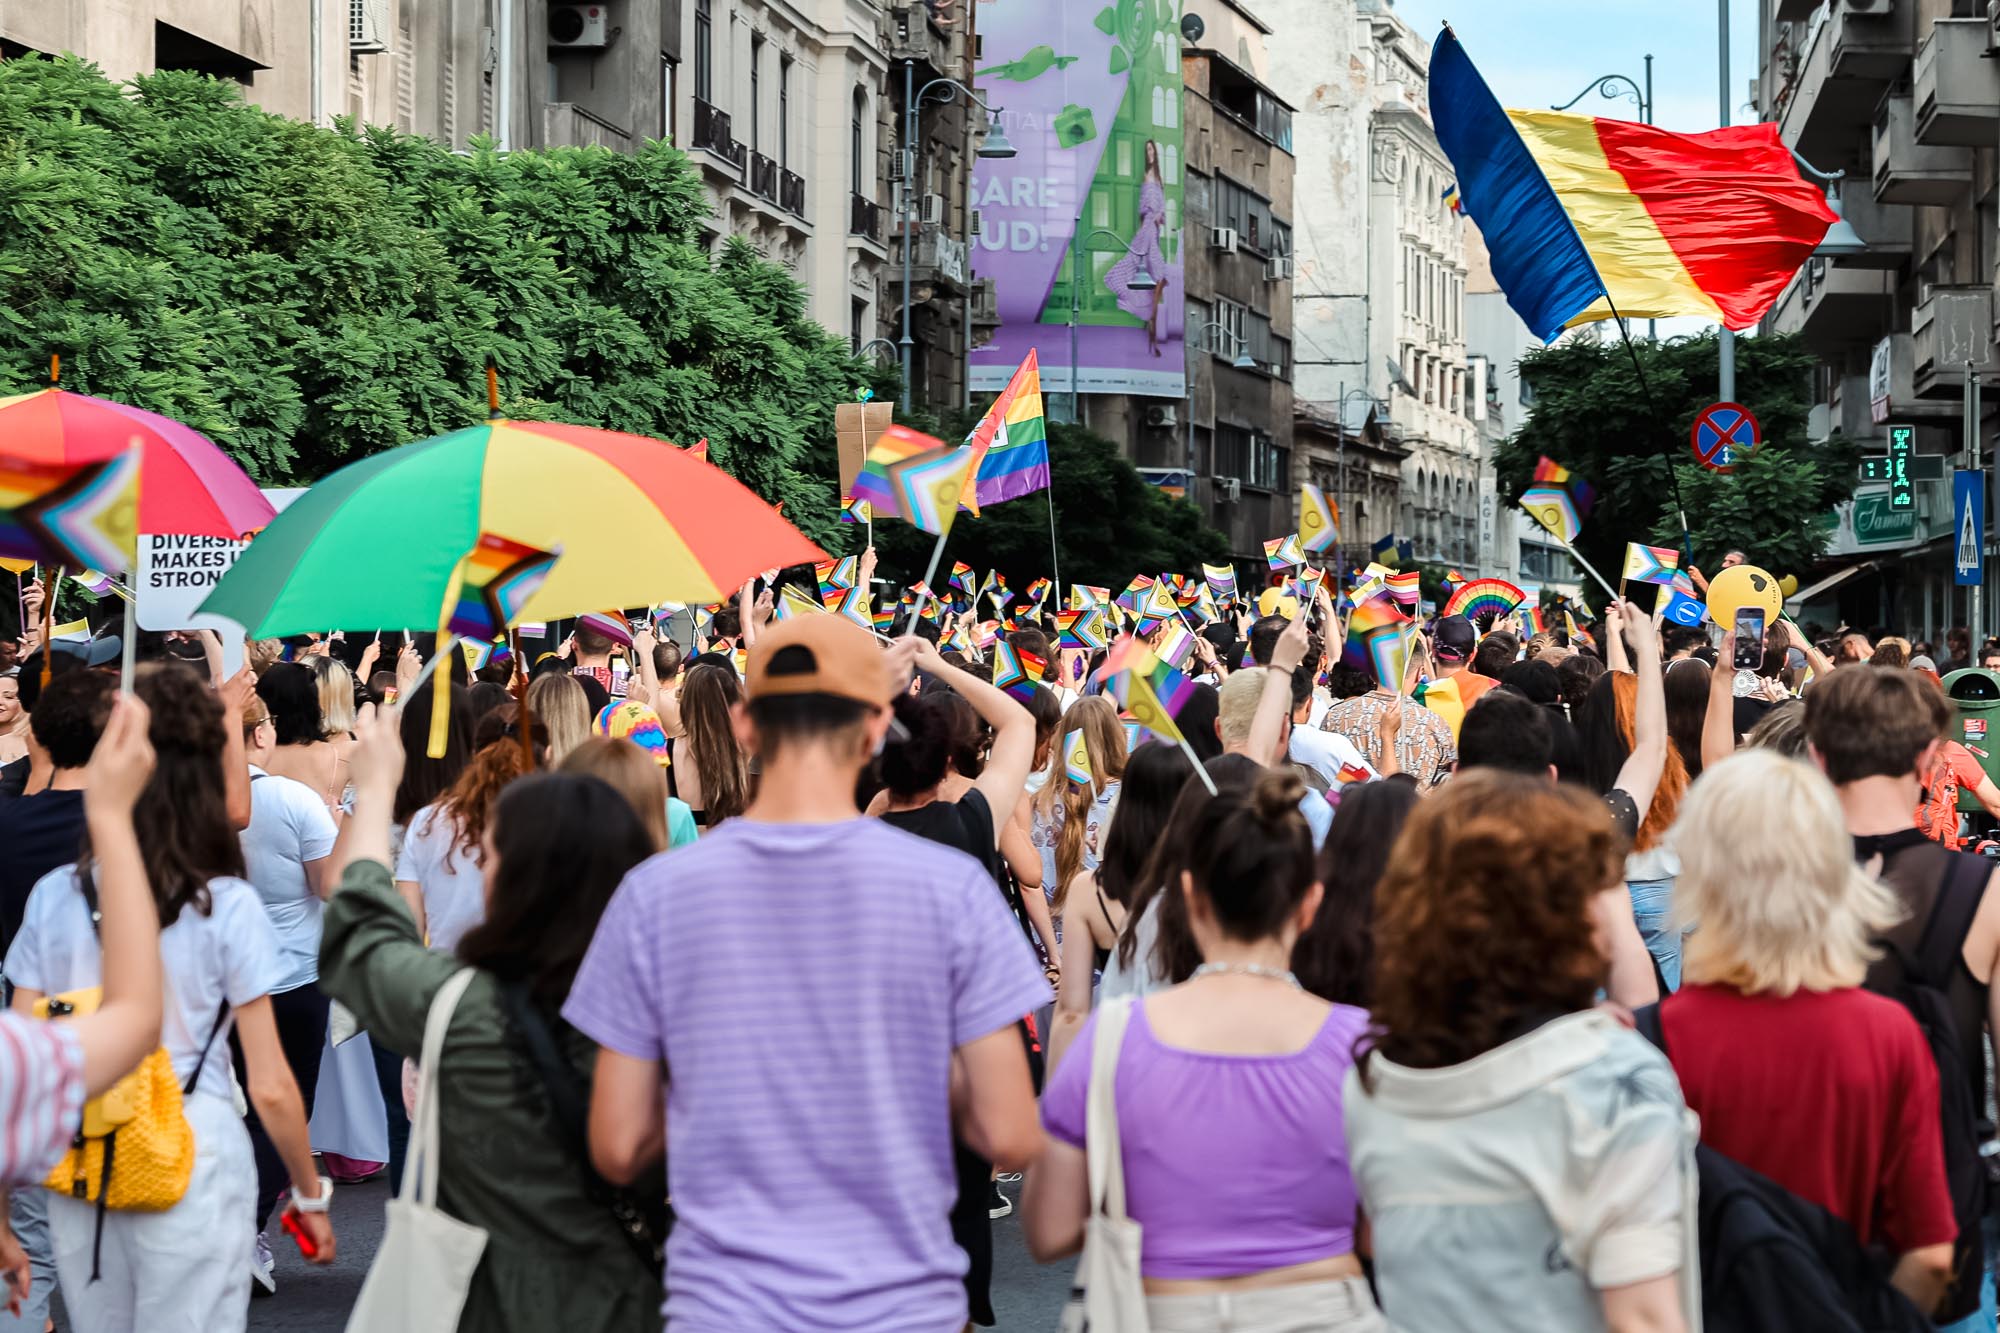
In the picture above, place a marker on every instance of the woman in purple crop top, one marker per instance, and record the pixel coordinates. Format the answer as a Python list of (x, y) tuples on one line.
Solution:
[(1229, 1102)]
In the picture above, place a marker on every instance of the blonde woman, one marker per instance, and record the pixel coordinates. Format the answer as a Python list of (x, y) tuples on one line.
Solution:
[(336, 703), (560, 705), (1069, 817), (1771, 1026)]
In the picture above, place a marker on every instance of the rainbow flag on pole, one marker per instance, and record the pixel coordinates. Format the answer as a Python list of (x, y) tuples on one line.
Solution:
[(1147, 688), (85, 515), (1010, 445), (495, 580), (917, 477)]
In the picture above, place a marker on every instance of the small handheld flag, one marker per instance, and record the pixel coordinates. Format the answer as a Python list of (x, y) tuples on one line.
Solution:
[(1284, 552), (1221, 581), (1555, 509), (1650, 564), (1319, 520), (914, 476), (495, 580), (1076, 758)]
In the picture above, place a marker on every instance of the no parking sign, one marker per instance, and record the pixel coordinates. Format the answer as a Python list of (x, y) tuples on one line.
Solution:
[(1724, 435)]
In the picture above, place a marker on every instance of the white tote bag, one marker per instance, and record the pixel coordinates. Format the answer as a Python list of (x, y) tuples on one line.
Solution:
[(418, 1281), (1107, 1295)]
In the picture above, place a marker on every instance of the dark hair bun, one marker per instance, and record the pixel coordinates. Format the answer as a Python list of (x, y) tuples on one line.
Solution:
[(1276, 797)]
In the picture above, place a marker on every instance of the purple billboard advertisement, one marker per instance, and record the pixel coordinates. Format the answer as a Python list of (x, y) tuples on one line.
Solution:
[(1081, 231)]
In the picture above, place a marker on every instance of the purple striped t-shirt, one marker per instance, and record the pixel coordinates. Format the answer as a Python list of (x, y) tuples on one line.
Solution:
[(805, 985)]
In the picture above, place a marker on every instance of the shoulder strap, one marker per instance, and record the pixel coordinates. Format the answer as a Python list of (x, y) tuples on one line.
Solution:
[(1646, 1019), (1101, 1147), (1961, 890), (566, 1099), (194, 1077)]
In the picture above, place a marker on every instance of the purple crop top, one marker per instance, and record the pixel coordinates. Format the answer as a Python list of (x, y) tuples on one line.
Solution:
[(1233, 1163)]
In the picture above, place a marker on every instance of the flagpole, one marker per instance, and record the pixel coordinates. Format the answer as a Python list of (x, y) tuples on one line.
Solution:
[(1200, 769), (1608, 589), (1055, 560), (127, 647), (924, 588)]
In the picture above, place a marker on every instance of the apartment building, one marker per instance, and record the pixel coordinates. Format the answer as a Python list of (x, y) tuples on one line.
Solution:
[(1380, 273), (1899, 102)]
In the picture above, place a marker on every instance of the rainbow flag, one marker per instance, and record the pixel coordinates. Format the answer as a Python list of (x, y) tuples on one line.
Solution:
[(1076, 754), (1134, 591), (1378, 641), (1555, 509), (1483, 597), (985, 634), (962, 578), (1405, 586), (1010, 670), (1081, 629), (1010, 444), (1577, 634), (884, 620), (914, 476), (1147, 688), (841, 573), (1319, 519), (81, 515), (851, 604), (1039, 590), (1284, 552), (1083, 595), (1650, 564), (1582, 213), (1534, 620), (494, 581)]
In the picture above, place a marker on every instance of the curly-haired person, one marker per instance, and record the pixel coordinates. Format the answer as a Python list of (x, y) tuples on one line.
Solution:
[(1524, 1159)]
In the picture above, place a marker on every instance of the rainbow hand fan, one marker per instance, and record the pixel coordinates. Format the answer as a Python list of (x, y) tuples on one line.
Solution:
[(1484, 597)]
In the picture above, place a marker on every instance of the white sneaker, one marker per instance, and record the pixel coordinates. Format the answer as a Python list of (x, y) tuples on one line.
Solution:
[(263, 1269)]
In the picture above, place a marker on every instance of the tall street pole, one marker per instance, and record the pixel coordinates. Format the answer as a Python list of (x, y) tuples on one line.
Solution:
[(1727, 342), (909, 165)]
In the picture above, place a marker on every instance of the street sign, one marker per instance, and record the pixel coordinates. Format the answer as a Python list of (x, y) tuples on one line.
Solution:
[(1968, 526), (1724, 435)]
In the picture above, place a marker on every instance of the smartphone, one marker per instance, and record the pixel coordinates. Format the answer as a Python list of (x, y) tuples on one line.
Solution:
[(1749, 638)]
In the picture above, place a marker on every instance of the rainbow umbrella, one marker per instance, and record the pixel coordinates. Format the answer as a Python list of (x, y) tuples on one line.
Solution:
[(187, 485), (638, 522)]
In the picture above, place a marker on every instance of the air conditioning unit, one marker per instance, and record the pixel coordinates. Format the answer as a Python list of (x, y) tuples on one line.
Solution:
[(1163, 418), (930, 210), (1224, 239), (1869, 6), (1278, 268), (579, 26), (367, 26), (974, 224), (899, 165), (1229, 488)]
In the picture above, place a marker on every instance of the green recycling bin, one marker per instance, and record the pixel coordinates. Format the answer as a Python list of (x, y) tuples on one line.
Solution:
[(1975, 704)]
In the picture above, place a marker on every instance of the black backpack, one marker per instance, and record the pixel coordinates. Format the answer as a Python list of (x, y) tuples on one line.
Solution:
[(1920, 985), (1772, 1262)]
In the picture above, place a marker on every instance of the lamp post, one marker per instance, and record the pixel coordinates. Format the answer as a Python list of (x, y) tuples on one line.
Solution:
[(1241, 361), (994, 146), (872, 344), (1621, 85), (1142, 281), (1340, 455)]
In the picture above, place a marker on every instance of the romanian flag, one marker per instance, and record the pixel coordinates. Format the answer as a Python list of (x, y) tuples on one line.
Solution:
[(917, 477), (494, 581), (1582, 214), (1319, 519), (1010, 445)]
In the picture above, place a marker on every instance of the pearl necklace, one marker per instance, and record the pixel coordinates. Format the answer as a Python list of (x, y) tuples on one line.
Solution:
[(1249, 970)]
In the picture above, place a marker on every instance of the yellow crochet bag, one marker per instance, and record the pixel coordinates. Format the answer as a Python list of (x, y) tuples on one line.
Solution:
[(134, 1150)]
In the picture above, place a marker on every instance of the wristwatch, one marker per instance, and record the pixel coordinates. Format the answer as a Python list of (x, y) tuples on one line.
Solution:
[(319, 1205)]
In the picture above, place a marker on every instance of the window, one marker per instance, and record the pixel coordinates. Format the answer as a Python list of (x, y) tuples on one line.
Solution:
[(1229, 338), (784, 111), (855, 151), (1250, 214), (667, 97), (756, 94), (1252, 457), (704, 52)]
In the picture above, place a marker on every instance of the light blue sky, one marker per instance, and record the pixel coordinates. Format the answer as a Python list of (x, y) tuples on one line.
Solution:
[(1535, 53)]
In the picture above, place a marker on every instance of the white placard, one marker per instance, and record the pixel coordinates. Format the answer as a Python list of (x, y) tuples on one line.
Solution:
[(176, 574)]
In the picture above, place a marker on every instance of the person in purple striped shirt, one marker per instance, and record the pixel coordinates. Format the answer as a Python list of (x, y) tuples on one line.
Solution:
[(799, 1010)]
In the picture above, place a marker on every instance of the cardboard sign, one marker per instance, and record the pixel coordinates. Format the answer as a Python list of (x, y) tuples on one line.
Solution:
[(855, 426)]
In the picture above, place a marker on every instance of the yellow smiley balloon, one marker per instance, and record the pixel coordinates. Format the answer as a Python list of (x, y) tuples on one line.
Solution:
[(1741, 586)]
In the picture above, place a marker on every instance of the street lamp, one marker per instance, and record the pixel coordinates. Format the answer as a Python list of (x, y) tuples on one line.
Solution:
[(1604, 87), (1142, 281), (994, 146), (1242, 360), (872, 344), (1340, 450), (1841, 240)]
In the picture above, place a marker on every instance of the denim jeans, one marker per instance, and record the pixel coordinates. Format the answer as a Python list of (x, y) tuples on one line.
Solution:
[(28, 1214), (1982, 1319), (1652, 901)]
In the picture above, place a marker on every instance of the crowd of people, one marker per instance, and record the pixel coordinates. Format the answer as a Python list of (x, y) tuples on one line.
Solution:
[(757, 957)]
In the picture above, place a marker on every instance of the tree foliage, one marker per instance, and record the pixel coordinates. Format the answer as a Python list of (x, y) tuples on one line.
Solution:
[(306, 297), (1630, 440)]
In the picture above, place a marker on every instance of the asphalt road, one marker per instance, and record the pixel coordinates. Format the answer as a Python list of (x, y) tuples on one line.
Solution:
[(1026, 1295)]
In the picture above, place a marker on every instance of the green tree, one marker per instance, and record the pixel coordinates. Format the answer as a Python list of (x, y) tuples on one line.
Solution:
[(1630, 441), (306, 297)]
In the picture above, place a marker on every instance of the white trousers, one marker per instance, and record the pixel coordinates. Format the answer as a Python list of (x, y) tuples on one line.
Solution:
[(186, 1270)]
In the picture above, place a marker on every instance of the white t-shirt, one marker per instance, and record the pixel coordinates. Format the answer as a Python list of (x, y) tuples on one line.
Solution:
[(230, 953), (453, 885), (1325, 752), (289, 829)]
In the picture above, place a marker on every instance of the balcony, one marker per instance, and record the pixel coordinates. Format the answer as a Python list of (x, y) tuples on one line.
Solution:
[(1870, 40), (1889, 229), (938, 261), (711, 134), (1820, 116), (1794, 11), (985, 305), (1957, 87), (763, 177), (1907, 172), (1832, 306), (568, 125), (792, 192), (864, 218), (909, 34), (1951, 327)]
